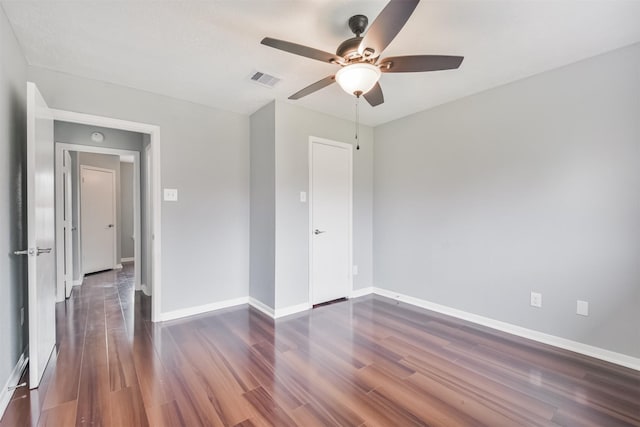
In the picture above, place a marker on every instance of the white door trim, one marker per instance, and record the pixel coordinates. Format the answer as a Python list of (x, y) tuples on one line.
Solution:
[(154, 133), (349, 148), (116, 229)]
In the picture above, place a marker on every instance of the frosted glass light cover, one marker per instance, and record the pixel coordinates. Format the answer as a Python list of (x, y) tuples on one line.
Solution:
[(360, 77)]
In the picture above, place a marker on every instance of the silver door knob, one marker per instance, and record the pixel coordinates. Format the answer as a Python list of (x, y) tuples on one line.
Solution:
[(43, 251), (316, 231)]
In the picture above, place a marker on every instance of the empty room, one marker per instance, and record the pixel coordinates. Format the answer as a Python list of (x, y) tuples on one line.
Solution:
[(320, 213)]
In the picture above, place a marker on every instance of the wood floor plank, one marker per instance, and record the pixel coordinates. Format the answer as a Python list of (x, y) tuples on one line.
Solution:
[(369, 361), (59, 416)]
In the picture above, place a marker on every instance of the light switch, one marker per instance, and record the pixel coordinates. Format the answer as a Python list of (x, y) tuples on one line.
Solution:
[(582, 308), (303, 196), (170, 195)]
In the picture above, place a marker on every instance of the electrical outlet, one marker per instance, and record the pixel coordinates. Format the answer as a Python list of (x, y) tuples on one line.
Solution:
[(354, 270), (21, 316), (536, 299), (170, 195), (582, 308)]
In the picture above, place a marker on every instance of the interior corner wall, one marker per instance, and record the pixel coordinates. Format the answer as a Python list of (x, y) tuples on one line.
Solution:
[(204, 154), (294, 126), (263, 202), (13, 232), (532, 186)]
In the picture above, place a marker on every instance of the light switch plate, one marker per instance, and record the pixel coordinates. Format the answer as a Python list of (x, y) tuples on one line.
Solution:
[(582, 308), (170, 195), (303, 196), (355, 270)]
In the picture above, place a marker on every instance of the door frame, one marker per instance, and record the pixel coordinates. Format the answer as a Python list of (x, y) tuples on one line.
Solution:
[(154, 133), (115, 262), (349, 148)]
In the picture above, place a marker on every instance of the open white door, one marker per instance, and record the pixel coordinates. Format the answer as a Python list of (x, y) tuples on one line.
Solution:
[(330, 205), (40, 234)]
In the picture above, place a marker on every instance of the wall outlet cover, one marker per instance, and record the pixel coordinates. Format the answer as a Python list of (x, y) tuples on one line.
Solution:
[(536, 299), (354, 270)]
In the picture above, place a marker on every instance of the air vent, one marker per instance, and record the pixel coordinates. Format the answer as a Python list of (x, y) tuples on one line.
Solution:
[(264, 79)]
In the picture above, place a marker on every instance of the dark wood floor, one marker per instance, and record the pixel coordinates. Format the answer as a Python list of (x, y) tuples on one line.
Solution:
[(368, 361)]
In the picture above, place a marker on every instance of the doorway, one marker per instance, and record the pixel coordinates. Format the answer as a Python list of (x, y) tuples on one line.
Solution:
[(142, 255), (330, 208)]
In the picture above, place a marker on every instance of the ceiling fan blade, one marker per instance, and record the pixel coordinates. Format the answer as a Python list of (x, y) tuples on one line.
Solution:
[(417, 63), (386, 26), (374, 96), (314, 87), (301, 50)]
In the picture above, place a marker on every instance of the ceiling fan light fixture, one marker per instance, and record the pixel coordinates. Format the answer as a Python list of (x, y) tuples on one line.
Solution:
[(358, 79)]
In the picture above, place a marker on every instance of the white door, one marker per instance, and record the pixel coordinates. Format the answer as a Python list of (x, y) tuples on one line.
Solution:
[(40, 234), (330, 205), (98, 218), (67, 224)]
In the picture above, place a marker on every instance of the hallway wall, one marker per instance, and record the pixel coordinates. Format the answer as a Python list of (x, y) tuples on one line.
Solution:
[(204, 154)]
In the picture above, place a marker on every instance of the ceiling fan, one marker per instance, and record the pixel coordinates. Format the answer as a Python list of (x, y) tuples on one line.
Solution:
[(359, 56)]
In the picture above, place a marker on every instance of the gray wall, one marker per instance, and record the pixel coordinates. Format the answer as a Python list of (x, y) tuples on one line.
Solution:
[(263, 205), (13, 72), (294, 125), (531, 186), (105, 161), (126, 210), (204, 152)]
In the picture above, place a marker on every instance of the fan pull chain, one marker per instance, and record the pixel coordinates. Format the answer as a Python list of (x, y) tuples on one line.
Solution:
[(357, 121)]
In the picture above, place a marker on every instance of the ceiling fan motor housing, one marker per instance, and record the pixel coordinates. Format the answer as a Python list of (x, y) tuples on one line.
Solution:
[(348, 49)]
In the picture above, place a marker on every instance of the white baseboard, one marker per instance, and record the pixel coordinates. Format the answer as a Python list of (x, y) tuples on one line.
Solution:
[(127, 259), (191, 311), (260, 306), (118, 267), (278, 312), (292, 309), (78, 282), (12, 381), (577, 347), (361, 292)]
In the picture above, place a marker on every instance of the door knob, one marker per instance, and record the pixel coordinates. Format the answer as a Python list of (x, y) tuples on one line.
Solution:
[(31, 251), (316, 231)]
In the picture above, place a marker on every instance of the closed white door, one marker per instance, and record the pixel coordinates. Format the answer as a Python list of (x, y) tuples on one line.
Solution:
[(40, 234), (330, 188), (98, 218)]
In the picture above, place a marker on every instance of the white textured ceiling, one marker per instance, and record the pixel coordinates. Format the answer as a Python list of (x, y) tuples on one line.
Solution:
[(205, 51)]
